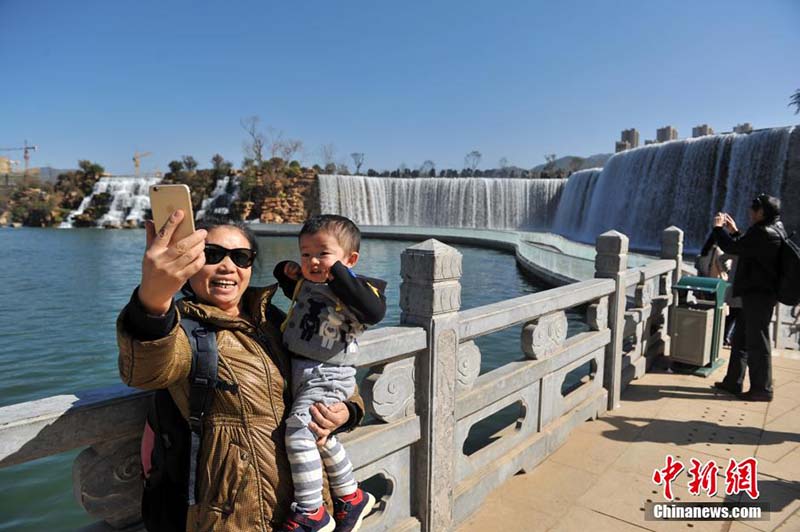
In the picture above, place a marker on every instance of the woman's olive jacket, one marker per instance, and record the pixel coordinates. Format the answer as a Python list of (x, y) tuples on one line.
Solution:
[(244, 480)]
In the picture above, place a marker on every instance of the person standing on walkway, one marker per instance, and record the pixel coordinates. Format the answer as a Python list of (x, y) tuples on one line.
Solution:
[(756, 282)]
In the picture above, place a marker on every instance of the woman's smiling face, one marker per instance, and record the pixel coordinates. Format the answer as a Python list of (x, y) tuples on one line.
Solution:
[(223, 284)]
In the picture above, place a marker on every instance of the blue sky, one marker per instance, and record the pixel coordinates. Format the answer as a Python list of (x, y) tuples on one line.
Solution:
[(400, 81)]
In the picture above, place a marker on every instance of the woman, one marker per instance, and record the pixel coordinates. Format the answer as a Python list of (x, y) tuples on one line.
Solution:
[(756, 281), (244, 479)]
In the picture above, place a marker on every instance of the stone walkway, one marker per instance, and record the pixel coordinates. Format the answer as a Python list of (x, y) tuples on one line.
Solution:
[(601, 477)]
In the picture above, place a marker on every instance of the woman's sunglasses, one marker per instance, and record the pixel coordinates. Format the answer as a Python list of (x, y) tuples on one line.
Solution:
[(242, 257)]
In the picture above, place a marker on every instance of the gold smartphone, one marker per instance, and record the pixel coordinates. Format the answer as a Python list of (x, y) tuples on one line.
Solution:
[(166, 199)]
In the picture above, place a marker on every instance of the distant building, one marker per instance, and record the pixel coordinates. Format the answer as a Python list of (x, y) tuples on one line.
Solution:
[(743, 128), (622, 145), (5, 165), (666, 133), (631, 136), (649, 142), (702, 131)]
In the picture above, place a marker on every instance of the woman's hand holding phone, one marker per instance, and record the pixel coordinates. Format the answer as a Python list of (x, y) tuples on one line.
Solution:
[(167, 264)]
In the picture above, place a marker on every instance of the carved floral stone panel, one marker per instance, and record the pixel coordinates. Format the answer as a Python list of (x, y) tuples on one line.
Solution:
[(389, 390), (107, 481), (468, 365), (544, 336)]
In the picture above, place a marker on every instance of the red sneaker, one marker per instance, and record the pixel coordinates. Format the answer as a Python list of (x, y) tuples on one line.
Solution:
[(351, 510), (318, 521)]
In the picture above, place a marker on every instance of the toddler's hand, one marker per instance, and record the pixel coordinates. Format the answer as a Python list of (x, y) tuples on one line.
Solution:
[(292, 271)]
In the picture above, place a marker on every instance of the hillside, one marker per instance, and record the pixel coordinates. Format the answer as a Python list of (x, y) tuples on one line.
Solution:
[(573, 163)]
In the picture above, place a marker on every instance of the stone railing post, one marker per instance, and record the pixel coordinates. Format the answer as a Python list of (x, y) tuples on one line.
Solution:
[(430, 297), (611, 262), (672, 248)]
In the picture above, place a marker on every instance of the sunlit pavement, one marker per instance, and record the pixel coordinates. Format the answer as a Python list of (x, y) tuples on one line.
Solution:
[(601, 478)]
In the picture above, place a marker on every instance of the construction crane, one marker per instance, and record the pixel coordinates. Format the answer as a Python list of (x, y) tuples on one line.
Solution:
[(137, 160), (26, 153)]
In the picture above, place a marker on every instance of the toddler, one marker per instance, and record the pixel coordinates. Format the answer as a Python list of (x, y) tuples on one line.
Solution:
[(331, 306)]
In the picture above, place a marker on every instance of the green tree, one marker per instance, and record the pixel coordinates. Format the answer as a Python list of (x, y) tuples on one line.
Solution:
[(220, 167), (91, 169), (190, 163), (175, 168)]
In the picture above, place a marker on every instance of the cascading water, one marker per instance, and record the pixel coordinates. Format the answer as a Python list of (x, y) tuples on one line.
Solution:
[(575, 200), (224, 193), (442, 202), (129, 200), (640, 192)]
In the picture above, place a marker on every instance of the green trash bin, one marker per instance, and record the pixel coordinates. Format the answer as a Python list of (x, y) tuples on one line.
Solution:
[(697, 324)]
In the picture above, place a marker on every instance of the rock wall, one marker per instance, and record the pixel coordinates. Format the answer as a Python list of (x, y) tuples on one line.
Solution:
[(295, 200)]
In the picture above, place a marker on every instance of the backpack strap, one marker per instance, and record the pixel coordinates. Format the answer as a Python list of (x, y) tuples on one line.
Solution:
[(297, 287), (203, 380)]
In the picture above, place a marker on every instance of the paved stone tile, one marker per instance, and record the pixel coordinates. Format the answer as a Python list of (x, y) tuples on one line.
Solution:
[(605, 427), (589, 453), (781, 436), (792, 524), (527, 520), (783, 402), (541, 496), (787, 468), (645, 409), (780, 495), (741, 526), (645, 457), (554, 486), (786, 360), (580, 518), (702, 436), (782, 378), (623, 495), (724, 414)]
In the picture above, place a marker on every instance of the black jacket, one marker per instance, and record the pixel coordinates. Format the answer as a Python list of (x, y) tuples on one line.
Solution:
[(758, 250)]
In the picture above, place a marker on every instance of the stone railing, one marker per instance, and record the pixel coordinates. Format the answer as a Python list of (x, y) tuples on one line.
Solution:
[(423, 390)]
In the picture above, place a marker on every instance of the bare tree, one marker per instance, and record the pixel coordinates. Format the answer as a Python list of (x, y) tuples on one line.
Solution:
[(550, 159), (328, 154), (426, 168), (275, 141), (472, 160), (503, 163), (254, 147), (795, 100), (288, 148), (358, 160)]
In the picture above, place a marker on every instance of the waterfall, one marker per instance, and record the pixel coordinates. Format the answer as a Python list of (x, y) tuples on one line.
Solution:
[(640, 192), (442, 202), (575, 201), (129, 200), (224, 193)]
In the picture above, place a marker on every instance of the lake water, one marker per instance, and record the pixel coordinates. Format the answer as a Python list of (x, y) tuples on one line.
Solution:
[(61, 291)]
